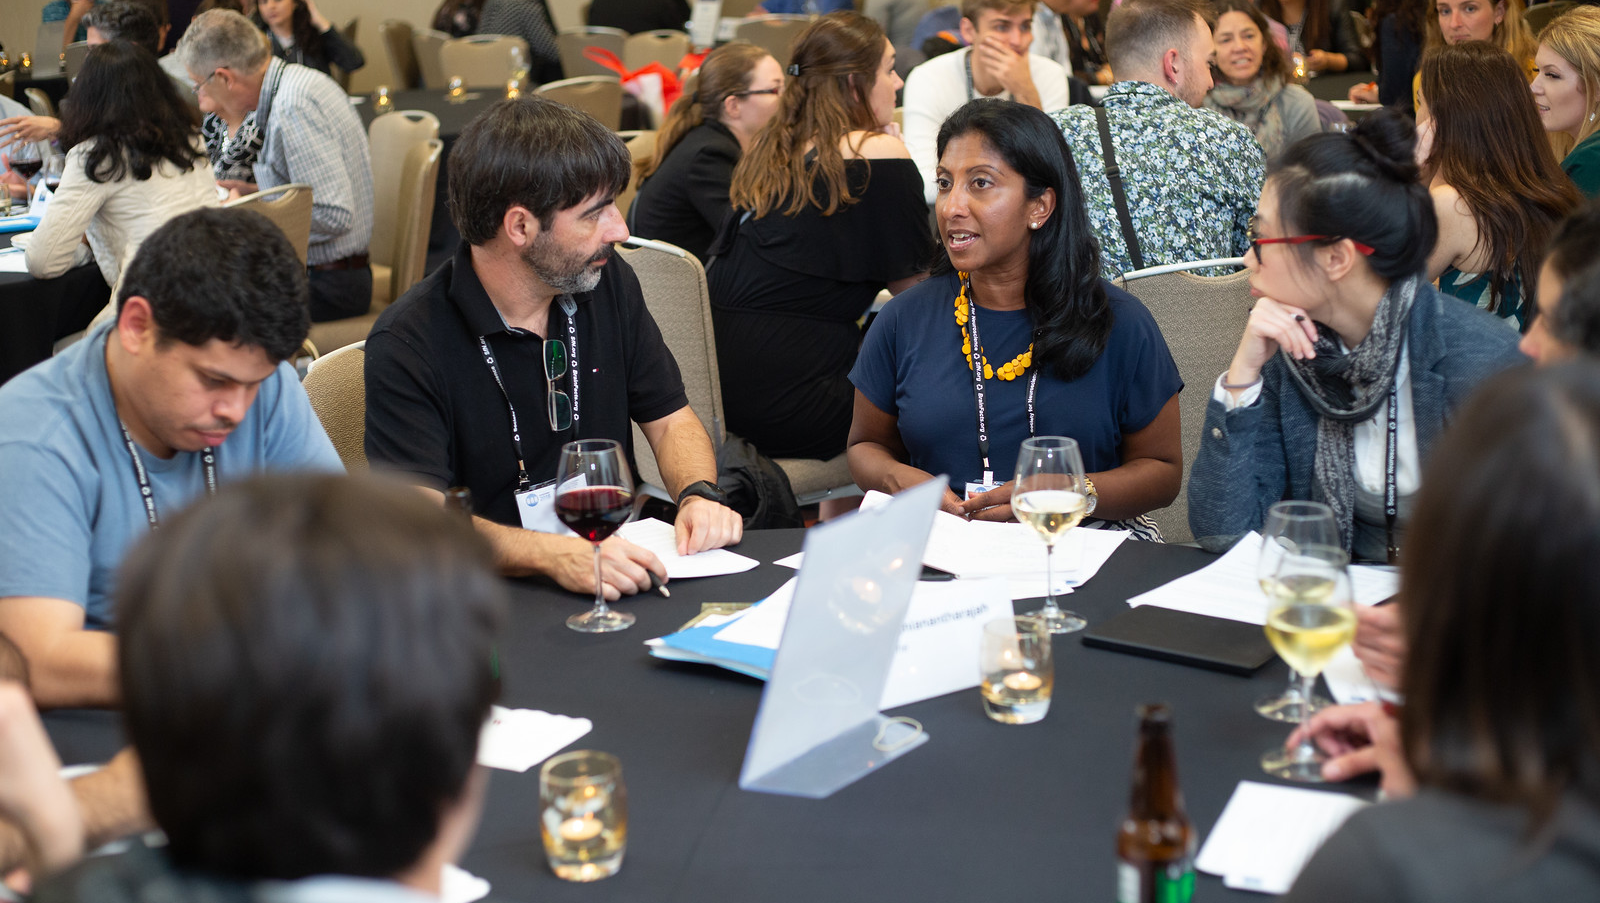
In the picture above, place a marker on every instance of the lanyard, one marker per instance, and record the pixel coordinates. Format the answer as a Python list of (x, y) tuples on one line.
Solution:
[(976, 360), (970, 95), (570, 307), (208, 462), (1391, 495)]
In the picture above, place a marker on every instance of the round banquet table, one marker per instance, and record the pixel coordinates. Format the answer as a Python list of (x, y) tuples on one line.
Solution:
[(982, 812), (35, 313)]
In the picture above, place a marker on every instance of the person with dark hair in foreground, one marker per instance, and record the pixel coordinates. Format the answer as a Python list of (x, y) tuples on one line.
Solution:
[(534, 335), (187, 388), (1492, 768), (270, 647), (1347, 341), (1056, 338)]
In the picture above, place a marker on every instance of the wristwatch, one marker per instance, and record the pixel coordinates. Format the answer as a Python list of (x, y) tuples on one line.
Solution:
[(704, 489), (1094, 496)]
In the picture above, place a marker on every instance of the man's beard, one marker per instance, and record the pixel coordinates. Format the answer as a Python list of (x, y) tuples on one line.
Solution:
[(565, 273)]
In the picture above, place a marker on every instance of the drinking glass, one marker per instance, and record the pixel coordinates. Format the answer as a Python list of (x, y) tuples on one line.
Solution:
[(519, 65), (53, 168), (1291, 525), (381, 101), (583, 815), (1309, 620), (456, 92), (1051, 496), (25, 159), (594, 496), (1016, 668)]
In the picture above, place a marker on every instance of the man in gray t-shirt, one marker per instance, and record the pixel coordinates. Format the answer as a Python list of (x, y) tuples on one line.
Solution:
[(187, 387)]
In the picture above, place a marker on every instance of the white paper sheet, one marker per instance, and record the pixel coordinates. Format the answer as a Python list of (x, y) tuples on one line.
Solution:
[(457, 885), (791, 561), (939, 640), (1228, 588), (971, 549), (1347, 681), (661, 538), (1268, 831), (12, 260), (518, 739)]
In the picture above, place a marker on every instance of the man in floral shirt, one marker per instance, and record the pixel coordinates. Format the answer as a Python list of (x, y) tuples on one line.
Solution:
[(1191, 176)]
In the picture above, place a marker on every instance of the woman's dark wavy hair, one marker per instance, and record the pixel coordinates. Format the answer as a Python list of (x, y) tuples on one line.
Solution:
[(1364, 185), (124, 102), (1503, 700), (1071, 313), (306, 36)]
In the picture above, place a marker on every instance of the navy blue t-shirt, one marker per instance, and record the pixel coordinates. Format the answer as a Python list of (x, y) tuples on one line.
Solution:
[(911, 367)]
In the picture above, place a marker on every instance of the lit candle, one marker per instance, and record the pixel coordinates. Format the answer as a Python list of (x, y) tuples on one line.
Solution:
[(1022, 681), (578, 830)]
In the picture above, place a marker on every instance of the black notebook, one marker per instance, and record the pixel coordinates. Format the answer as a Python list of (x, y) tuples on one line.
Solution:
[(1217, 644)]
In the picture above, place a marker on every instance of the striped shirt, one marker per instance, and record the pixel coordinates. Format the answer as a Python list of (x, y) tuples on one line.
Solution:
[(313, 135)]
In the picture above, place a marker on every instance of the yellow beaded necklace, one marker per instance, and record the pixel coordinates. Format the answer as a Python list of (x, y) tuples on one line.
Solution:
[(1009, 370)]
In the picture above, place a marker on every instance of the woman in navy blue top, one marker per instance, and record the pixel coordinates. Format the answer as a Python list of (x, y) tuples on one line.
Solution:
[(1021, 272)]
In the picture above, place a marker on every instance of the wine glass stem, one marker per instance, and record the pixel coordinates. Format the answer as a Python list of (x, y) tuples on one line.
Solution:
[(1307, 750), (599, 586), (1049, 578)]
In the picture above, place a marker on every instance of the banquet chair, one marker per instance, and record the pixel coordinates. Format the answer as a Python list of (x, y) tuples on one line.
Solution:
[(598, 95), (425, 44), (570, 44), (75, 52), (340, 75), (738, 9), (336, 387), (665, 47), (289, 208), (8, 84), (484, 60), (641, 144), (774, 34), (400, 250), (1201, 317), (397, 46), (392, 138), (674, 286), (39, 102), (568, 13)]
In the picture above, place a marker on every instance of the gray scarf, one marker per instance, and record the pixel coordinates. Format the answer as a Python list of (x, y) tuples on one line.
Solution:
[(1255, 106), (1346, 388)]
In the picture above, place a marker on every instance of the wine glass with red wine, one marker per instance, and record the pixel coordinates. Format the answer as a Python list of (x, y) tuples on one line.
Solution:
[(594, 496), (53, 170), (25, 160)]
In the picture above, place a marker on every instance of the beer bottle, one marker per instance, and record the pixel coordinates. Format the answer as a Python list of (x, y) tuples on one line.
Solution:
[(1155, 845), (459, 499)]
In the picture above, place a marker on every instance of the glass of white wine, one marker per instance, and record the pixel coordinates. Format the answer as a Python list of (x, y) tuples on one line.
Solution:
[(1291, 525), (1050, 494), (1309, 620)]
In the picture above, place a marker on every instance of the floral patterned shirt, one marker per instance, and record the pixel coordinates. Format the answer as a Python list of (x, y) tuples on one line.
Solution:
[(1192, 177)]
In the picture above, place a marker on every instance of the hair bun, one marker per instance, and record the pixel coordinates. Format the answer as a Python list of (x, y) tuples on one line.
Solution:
[(1389, 140)]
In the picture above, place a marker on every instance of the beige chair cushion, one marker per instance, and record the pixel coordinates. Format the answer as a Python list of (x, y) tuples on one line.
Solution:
[(336, 386)]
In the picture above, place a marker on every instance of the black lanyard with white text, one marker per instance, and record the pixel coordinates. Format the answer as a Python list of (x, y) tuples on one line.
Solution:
[(208, 463), (975, 360), (570, 308), (971, 92), (1391, 493)]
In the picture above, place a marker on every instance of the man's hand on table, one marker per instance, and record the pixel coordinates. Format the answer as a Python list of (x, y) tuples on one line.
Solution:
[(704, 524), (28, 129), (624, 567)]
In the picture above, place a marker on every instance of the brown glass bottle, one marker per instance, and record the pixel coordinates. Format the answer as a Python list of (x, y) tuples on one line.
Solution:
[(1155, 845)]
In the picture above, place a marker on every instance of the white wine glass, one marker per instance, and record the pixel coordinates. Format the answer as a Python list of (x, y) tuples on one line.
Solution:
[(594, 497), (1291, 525), (1309, 621), (1051, 495)]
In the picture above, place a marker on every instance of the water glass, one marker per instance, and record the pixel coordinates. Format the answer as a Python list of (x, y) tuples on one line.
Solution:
[(1017, 670), (583, 815)]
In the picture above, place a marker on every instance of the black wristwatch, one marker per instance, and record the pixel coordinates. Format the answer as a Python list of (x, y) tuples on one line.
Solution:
[(704, 489)]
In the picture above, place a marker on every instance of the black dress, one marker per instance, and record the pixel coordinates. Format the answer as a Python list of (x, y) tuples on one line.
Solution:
[(786, 293), (686, 199)]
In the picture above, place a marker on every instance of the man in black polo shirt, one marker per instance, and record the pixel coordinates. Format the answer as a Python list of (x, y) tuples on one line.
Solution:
[(464, 353)]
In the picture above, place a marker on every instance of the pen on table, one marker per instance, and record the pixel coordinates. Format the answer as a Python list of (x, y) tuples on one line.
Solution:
[(657, 585)]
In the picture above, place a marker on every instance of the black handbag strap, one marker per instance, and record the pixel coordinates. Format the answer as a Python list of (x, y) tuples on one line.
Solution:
[(1114, 176)]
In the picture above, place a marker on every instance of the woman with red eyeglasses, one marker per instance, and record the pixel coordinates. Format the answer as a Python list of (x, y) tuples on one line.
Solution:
[(1351, 362)]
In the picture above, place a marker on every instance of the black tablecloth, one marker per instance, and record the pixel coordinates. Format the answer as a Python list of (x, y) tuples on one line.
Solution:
[(34, 313), (53, 83), (982, 812), (1336, 85)]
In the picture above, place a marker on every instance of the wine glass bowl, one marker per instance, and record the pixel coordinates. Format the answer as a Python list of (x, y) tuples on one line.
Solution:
[(24, 159), (1309, 621), (1291, 525), (594, 497), (1051, 494)]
